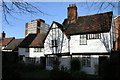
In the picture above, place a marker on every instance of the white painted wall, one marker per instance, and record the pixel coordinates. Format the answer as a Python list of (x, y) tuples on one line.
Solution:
[(62, 41), (35, 54), (93, 45), (31, 54)]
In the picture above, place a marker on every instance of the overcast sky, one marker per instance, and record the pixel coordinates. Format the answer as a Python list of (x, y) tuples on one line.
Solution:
[(57, 11)]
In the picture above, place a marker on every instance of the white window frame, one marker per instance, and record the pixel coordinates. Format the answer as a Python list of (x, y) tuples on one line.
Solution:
[(37, 49), (83, 39), (94, 36), (30, 59), (86, 61)]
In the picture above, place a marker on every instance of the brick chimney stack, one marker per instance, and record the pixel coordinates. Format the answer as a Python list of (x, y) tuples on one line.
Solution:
[(3, 34), (117, 33), (72, 13), (26, 30)]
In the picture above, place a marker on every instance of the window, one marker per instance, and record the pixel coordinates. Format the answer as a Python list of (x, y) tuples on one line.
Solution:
[(94, 36), (37, 50), (54, 43), (30, 60), (26, 49), (86, 61), (83, 40)]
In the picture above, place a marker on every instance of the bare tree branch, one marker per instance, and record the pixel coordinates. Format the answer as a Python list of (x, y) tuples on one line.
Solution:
[(9, 8), (100, 6)]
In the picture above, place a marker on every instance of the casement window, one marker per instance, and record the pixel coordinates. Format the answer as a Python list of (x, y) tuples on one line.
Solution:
[(37, 50), (83, 39), (26, 49), (30, 60), (54, 43), (94, 36), (86, 61)]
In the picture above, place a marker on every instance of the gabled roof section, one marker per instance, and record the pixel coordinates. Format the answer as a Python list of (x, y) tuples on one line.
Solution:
[(33, 40), (59, 26), (6, 41), (13, 45), (97, 23)]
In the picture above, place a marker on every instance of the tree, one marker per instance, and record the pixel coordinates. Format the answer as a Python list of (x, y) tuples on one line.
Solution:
[(103, 5), (17, 7)]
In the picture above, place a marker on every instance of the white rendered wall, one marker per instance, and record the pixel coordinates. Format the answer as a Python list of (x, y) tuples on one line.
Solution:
[(35, 54), (31, 54), (102, 45), (93, 45), (62, 43)]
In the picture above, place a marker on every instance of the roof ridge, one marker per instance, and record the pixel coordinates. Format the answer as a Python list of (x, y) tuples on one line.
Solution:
[(96, 14)]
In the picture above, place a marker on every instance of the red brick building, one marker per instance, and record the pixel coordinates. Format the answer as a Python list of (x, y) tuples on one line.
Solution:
[(117, 33)]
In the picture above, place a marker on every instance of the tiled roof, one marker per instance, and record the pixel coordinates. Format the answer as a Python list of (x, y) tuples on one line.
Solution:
[(38, 41), (27, 41), (6, 41), (97, 23), (13, 45), (33, 40)]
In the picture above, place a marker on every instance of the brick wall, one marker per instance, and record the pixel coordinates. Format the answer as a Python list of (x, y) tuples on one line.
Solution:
[(117, 33)]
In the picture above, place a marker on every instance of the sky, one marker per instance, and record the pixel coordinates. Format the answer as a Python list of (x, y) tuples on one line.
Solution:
[(53, 11)]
